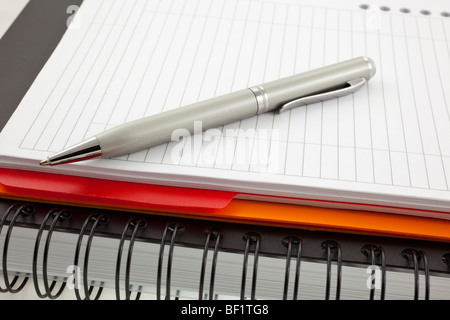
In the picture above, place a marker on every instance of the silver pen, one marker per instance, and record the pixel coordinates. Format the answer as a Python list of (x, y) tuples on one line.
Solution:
[(320, 84)]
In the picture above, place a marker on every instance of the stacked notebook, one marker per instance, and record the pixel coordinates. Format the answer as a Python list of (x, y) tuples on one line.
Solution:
[(382, 152), (385, 147)]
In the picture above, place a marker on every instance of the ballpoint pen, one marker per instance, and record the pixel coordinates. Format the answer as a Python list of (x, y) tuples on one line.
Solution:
[(320, 84)]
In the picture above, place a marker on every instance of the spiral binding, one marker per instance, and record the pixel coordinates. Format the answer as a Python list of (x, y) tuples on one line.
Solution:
[(331, 247), (288, 242), (373, 251), (136, 224), (446, 258), (97, 219), (174, 228), (222, 237), (414, 256), (211, 235), (57, 215), (19, 210), (250, 238)]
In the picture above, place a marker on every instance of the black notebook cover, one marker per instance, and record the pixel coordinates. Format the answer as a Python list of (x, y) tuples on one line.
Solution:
[(26, 47)]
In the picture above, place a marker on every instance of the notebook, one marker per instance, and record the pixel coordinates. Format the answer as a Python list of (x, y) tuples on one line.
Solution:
[(386, 146), (110, 254)]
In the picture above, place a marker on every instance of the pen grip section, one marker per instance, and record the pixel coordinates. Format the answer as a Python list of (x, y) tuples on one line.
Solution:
[(159, 128)]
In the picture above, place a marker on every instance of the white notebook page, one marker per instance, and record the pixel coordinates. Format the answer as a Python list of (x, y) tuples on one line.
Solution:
[(123, 60)]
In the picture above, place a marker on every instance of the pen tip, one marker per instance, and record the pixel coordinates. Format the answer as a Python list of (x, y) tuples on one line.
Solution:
[(45, 162)]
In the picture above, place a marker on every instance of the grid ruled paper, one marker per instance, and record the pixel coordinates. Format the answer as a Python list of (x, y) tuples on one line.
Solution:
[(123, 60)]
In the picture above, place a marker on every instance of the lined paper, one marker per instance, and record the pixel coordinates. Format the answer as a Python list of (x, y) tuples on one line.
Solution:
[(123, 60)]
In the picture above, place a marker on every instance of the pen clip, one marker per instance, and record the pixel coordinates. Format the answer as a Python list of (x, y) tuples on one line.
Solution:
[(350, 87)]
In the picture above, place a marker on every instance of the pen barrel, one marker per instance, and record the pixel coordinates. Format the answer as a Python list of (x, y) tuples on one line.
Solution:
[(331, 77), (159, 128)]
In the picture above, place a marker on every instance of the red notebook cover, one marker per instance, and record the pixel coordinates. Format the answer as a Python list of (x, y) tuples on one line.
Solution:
[(108, 193)]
